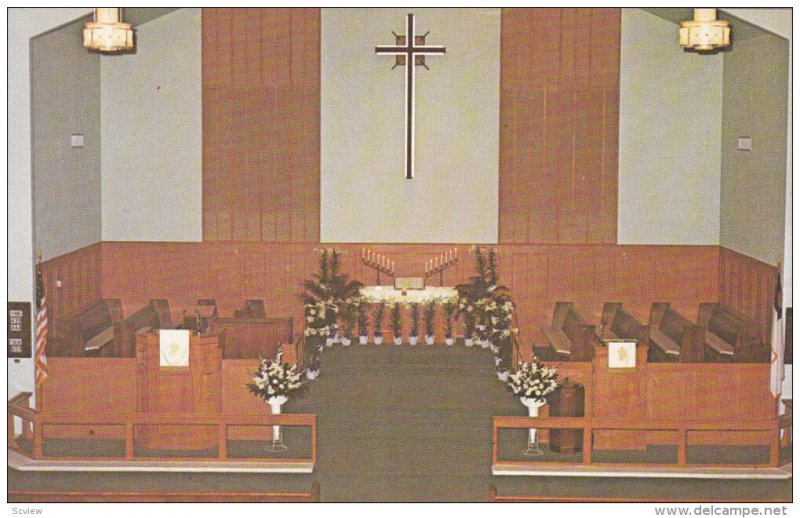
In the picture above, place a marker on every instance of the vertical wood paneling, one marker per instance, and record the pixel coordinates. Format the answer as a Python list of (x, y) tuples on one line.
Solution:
[(559, 105), (261, 125), (748, 286), (81, 282)]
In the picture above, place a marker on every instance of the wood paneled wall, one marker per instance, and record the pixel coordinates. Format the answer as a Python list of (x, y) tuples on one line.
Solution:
[(559, 122), (261, 107), (538, 275), (748, 286), (81, 282)]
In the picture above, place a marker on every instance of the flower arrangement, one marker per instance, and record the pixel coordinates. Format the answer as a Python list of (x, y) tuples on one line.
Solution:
[(379, 313), (315, 332), (476, 296), (499, 314), (430, 321), (397, 323), (330, 286), (273, 379), (533, 380)]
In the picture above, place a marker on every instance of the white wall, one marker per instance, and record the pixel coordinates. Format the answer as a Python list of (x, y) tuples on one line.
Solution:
[(669, 137), (23, 24), (151, 124), (779, 22), (364, 194), (753, 187), (66, 180)]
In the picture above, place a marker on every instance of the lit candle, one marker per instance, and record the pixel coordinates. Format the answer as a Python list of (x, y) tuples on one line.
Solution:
[(392, 266), (362, 252)]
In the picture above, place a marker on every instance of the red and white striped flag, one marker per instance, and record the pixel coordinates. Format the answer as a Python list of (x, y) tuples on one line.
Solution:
[(40, 360), (776, 341)]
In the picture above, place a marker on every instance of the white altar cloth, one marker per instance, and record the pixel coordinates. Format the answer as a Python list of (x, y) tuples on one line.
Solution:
[(389, 295)]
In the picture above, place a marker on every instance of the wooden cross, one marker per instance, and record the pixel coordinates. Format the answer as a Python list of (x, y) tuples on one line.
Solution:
[(410, 50)]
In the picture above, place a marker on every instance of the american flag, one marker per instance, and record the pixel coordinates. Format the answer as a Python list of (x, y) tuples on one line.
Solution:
[(40, 359)]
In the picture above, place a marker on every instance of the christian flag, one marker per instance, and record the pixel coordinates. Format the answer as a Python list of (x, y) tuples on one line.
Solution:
[(776, 370), (40, 360)]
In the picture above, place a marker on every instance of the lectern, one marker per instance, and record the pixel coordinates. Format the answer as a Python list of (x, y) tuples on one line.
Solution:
[(169, 390)]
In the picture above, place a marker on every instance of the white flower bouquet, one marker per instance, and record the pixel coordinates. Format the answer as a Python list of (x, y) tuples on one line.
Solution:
[(533, 380), (274, 379)]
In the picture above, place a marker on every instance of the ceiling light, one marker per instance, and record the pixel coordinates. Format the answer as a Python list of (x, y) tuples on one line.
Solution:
[(705, 32), (106, 32)]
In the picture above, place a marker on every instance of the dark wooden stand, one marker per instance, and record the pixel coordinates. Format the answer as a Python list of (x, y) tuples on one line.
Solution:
[(568, 402)]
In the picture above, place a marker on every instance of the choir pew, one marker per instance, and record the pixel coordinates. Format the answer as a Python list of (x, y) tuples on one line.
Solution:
[(88, 332), (729, 336), (673, 337), (253, 308), (616, 323), (155, 315), (569, 334)]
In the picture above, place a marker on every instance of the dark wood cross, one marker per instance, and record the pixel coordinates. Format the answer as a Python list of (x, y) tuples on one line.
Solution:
[(410, 49)]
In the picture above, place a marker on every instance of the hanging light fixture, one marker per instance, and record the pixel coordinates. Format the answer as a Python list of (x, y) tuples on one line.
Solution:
[(106, 32), (705, 32)]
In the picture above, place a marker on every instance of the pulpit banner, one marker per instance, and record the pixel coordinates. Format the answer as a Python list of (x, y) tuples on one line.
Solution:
[(174, 347)]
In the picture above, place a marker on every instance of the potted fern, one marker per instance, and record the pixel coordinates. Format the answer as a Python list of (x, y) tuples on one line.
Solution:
[(397, 323), (379, 313), (413, 335), (362, 322), (449, 310), (430, 316)]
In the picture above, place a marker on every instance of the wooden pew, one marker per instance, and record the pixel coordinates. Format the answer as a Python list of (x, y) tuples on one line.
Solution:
[(199, 317), (730, 336), (617, 323), (253, 308), (88, 332), (154, 315), (252, 337), (569, 334), (673, 337)]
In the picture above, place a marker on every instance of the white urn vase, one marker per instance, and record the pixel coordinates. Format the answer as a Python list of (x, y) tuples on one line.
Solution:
[(398, 340), (378, 339), (533, 405), (275, 403), (312, 374), (448, 340), (502, 376), (469, 342), (429, 339), (413, 340), (345, 341), (362, 340)]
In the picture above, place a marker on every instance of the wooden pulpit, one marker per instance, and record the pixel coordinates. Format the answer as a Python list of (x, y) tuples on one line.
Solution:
[(170, 390)]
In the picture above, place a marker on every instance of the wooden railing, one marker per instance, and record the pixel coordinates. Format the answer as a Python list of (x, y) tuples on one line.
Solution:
[(680, 427), (494, 497), (18, 407), (161, 496)]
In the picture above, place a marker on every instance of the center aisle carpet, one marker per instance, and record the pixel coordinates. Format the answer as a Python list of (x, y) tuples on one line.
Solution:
[(405, 423)]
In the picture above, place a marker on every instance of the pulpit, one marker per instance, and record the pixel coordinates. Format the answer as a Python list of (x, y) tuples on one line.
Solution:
[(194, 387)]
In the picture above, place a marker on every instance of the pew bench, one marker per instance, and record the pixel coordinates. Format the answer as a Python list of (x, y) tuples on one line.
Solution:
[(88, 332), (155, 315), (673, 337), (569, 334), (253, 308), (244, 338), (730, 336), (616, 323)]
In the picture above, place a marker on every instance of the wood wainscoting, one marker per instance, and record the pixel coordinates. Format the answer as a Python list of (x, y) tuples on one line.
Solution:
[(538, 276), (80, 275), (748, 286)]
